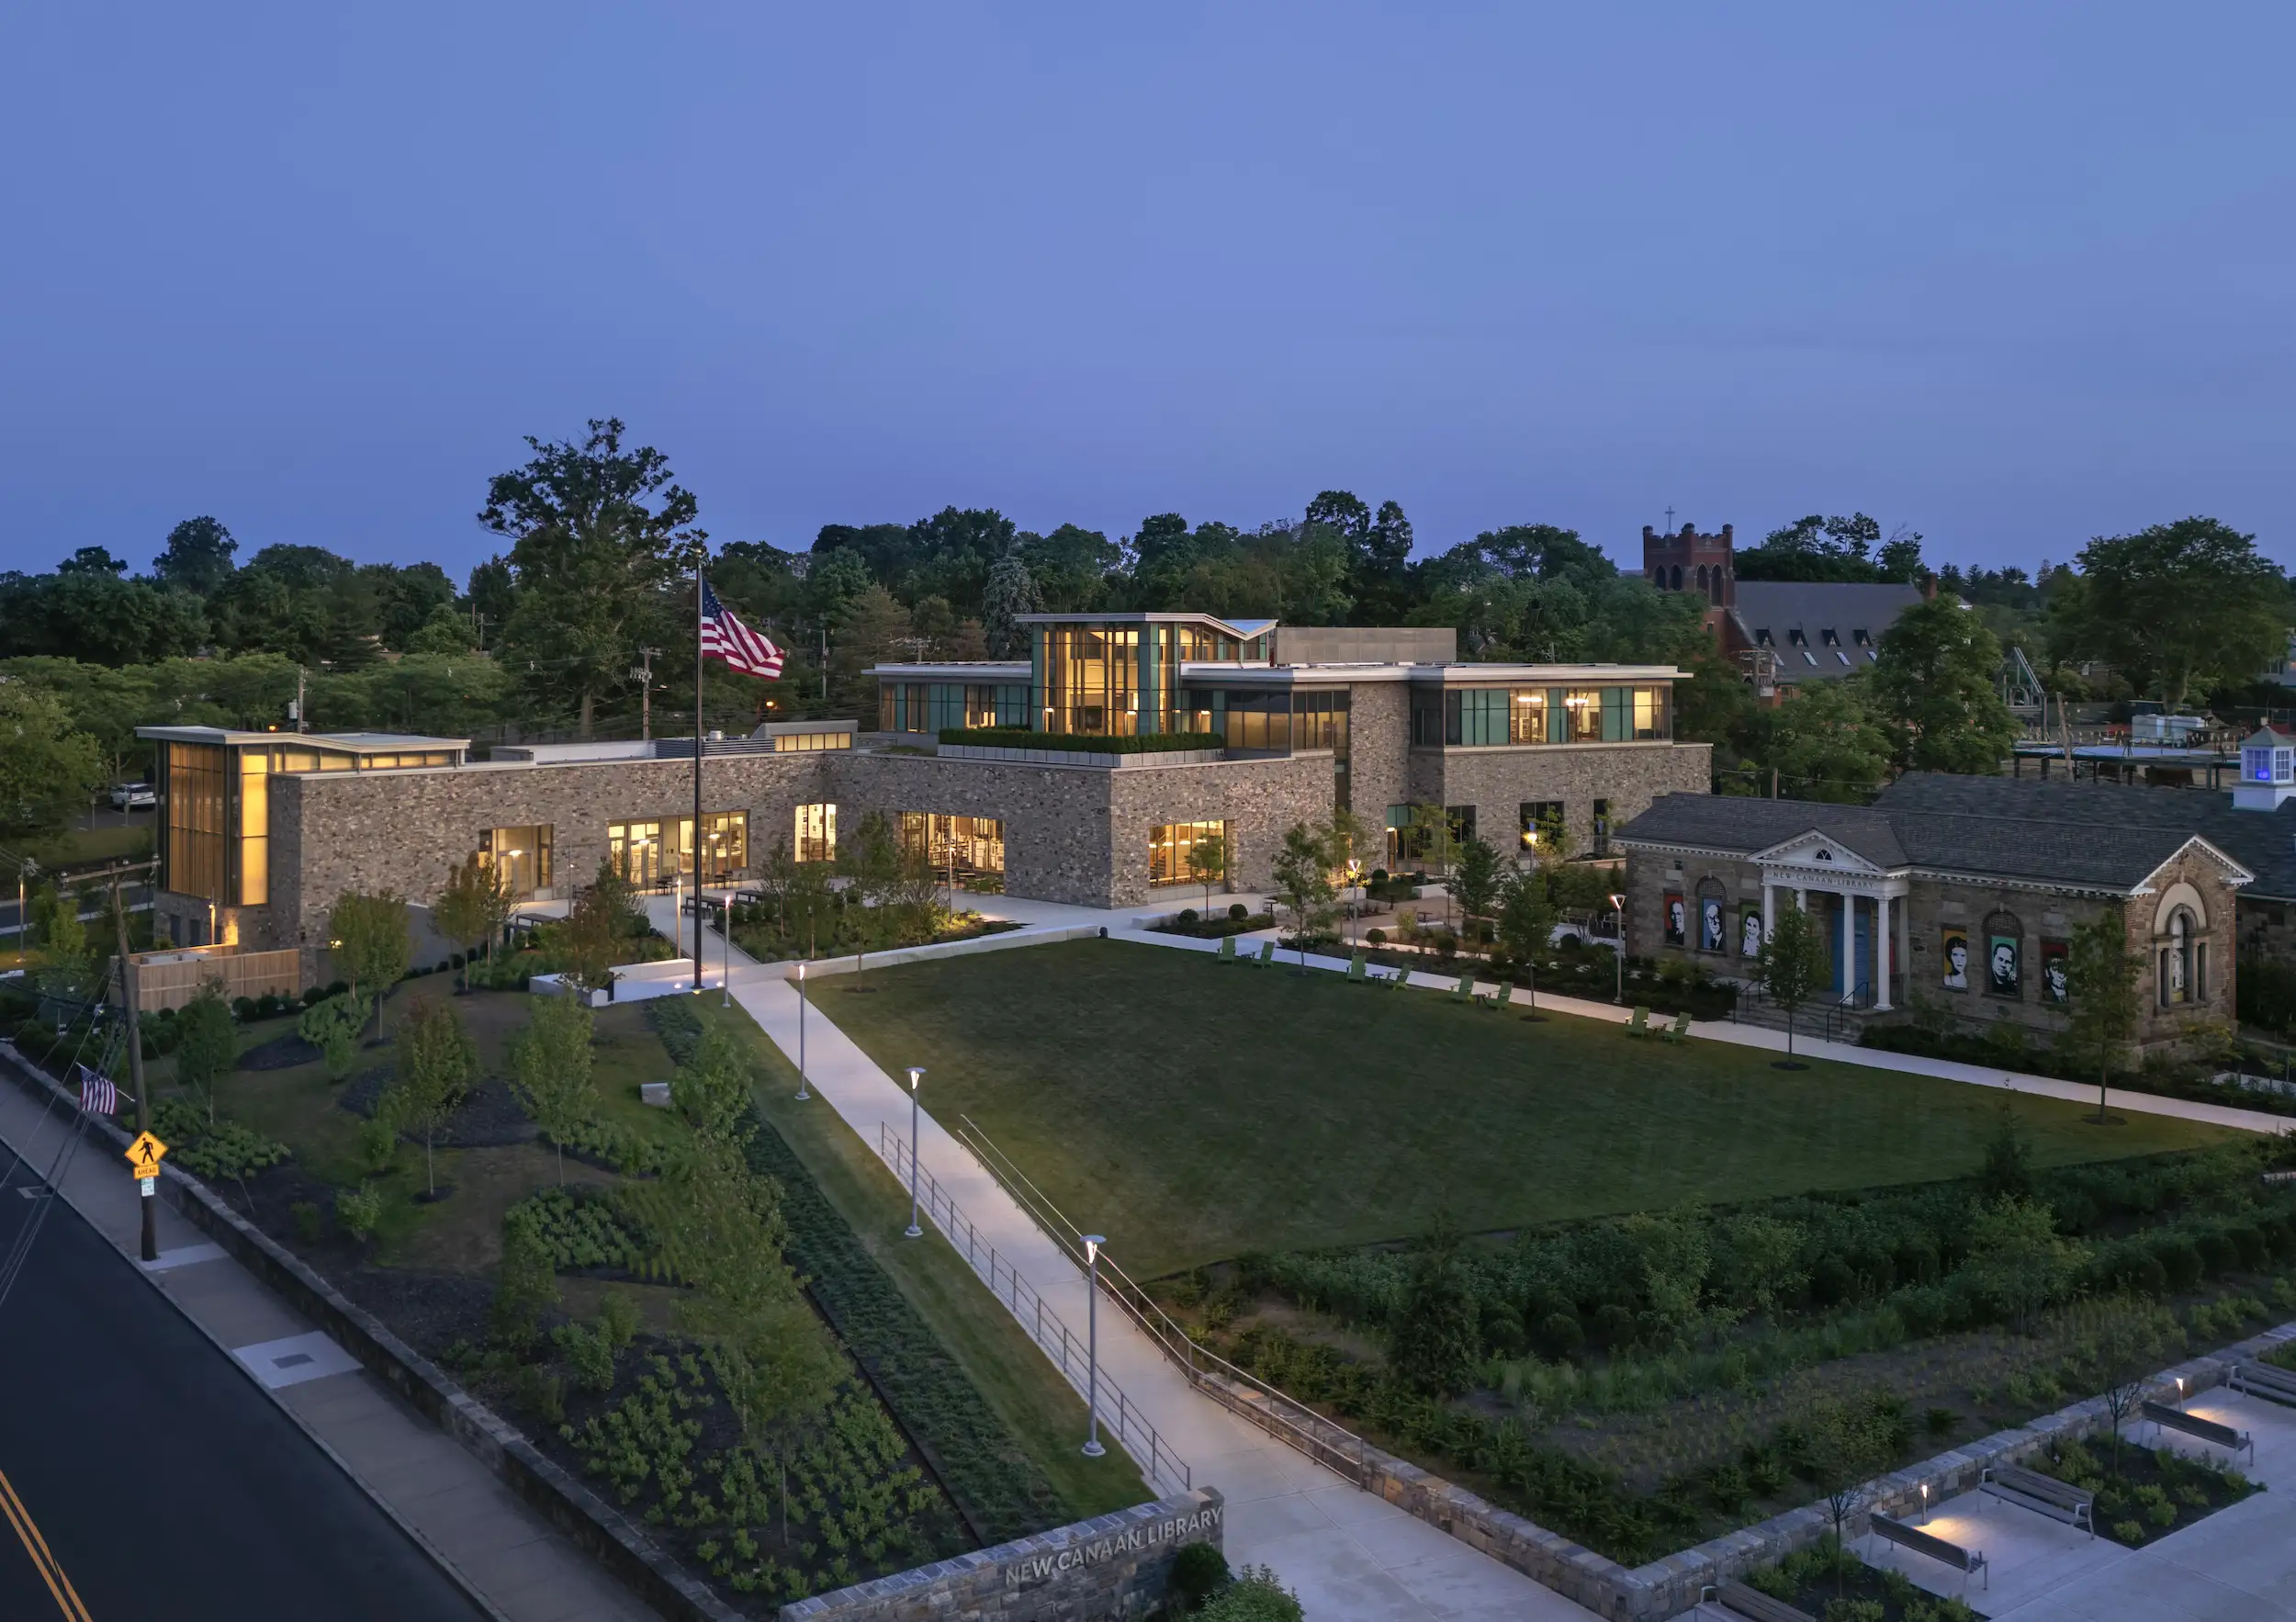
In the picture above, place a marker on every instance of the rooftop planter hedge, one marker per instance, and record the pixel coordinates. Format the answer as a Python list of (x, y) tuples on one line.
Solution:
[(1016, 737)]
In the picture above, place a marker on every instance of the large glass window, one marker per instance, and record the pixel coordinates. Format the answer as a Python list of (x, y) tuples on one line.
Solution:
[(1170, 843), (1091, 677), (967, 847), (1653, 713), (254, 828), (636, 851), (521, 854), (1542, 824), (196, 810), (1527, 716), (785, 743), (725, 844), (815, 835), (1259, 721), (1582, 707)]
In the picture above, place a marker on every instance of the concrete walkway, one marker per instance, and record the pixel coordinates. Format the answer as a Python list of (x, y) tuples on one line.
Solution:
[(504, 1554), (1352, 1556)]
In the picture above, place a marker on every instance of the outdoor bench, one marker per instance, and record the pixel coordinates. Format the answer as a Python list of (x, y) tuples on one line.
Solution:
[(2060, 1501), (1890, 1529), (2163, 1417), (2261, 1380), (1742, 1601)]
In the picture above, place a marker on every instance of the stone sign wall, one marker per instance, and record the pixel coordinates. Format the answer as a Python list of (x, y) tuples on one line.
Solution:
[(1113, 1566)]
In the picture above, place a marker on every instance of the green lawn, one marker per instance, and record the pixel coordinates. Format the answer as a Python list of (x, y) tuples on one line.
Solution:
[(1193, 1112)]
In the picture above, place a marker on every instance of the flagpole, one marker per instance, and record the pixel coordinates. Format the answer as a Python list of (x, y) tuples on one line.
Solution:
[(701, 558)]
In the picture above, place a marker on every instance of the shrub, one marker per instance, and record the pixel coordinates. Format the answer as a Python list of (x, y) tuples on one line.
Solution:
[(2179, 1258), (1187, 918), (305, 1216), (1377, 937), (1238, 911), (1254, 1596), (360, 1211), (1199, 1571), (2217, 1256), (1562, 1334), (525, 1287)]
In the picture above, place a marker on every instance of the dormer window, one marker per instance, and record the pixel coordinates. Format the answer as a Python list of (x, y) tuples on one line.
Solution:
[(1858, 635), (1796, 639), (1828, 637), (1762, 638)]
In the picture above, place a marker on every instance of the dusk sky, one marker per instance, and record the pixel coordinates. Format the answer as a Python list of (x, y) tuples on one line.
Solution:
[(2010, 275)]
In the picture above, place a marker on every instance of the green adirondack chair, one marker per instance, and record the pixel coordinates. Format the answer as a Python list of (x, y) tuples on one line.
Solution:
[(1465, 990), (1226, 954), (1267, 953), (1639, 1025), (1678, 1029), (1358, 967)]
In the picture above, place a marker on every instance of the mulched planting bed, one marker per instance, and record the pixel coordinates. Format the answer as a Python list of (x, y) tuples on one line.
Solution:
[(2143, 1492), (489, 1118), (281, 1053), (1839, 1587)]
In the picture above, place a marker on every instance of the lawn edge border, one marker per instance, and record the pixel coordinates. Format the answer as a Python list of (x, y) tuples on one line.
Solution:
[(570, 1507)]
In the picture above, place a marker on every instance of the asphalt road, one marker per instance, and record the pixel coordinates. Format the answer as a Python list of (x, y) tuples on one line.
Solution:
[(162, 1481)]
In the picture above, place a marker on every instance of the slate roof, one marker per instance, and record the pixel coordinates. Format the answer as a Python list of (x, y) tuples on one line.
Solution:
[(1964, 826), (1816, 608), (2262, 841)]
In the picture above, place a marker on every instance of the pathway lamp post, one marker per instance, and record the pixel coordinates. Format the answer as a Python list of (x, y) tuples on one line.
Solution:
[(1092, 1345), (23, 874), (802, 1094), (1619, 955), (917, 1073)]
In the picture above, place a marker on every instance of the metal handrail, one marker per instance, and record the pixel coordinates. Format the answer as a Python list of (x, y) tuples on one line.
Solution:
[(1042, 1325), (1290, 1420)]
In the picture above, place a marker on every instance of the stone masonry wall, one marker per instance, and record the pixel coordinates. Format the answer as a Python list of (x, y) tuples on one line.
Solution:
[(1378, 750), (1055, 818), (1113, 1566), (1260, 801), (1498, 781)]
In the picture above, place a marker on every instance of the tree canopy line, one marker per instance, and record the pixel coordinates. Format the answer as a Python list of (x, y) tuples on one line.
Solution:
[(587, 612)]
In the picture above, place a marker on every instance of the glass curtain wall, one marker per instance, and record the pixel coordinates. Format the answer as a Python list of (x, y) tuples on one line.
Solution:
[(814, 836), (1478, 717), (970, 846), (1091, 679), (522, 855), (255, 827)]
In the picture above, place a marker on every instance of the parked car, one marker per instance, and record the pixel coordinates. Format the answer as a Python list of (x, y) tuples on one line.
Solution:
[(133, 797)]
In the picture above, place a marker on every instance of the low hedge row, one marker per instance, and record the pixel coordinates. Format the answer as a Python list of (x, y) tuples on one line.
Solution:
[(1003, 1495)]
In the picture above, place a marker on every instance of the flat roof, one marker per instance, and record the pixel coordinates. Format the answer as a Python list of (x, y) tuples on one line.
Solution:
[(1239, 628), (1333, 671), (355, 743)]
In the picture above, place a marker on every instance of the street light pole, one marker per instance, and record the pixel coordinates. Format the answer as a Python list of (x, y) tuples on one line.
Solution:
[(1092, 1345), (1619, 952), (917, 1073), (802, 1094)]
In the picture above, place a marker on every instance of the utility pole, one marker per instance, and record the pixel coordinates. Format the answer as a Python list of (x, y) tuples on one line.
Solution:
[(135, 1061), (825, 661), (298, 698), (645, 674)]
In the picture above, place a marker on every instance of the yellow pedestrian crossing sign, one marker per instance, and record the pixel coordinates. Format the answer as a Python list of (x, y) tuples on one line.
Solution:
[(143, 1156)]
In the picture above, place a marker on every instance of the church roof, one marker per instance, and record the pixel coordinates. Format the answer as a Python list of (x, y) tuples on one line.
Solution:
[(1819, 629)]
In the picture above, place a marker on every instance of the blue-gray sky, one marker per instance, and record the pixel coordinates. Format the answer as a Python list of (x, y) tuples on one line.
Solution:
[(2011, 274)]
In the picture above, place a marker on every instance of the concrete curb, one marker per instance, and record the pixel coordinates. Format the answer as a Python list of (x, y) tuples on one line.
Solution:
[(569, 1505)]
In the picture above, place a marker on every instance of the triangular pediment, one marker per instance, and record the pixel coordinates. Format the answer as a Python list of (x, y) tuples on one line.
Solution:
[(1817, 849)]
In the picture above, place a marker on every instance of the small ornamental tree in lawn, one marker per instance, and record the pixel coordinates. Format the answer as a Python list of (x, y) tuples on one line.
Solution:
[(1526, 924), (1208, 864), (1303, 883), (1793, 965), (367, 938), (550, 1070), (1432, 837), (2100, 992), (588, 942), (2121, 1344), (526, 1284), (437, 1062), (1474, 882), (206, 1045), (1343, 831), (869, 860), (333, 1027)]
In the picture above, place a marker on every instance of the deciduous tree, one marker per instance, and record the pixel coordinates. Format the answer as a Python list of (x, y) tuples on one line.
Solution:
[(550, 1070), (1936, 686), (2176, 608), (1303, 883), (1793, 967), (368, 940), (432, 1074), (2100, 993)]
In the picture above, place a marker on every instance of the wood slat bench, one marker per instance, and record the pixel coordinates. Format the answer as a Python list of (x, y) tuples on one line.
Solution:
[(1741, 1600), (2261, 1380), (2163, 1417), (2030, 1488), (1904, 1535)]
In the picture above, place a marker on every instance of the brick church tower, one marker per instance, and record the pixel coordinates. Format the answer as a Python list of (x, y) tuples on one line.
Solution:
[(1689, 561)]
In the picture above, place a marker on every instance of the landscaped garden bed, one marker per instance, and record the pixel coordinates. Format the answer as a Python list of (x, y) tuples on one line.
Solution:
[(1832, 1583), (1640, 1293), (2142, 1493), (2008, 1046), (663, 1300)]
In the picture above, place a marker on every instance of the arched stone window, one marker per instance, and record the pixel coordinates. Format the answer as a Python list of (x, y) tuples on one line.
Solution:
[(1717, 583), (1702, 579), (2180, 952), (1678, 576)]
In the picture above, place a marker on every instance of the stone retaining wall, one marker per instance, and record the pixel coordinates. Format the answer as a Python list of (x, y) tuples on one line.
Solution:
[(1111, 1566)]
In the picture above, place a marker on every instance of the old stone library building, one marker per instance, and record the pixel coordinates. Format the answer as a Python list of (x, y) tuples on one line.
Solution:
[(262, 830)]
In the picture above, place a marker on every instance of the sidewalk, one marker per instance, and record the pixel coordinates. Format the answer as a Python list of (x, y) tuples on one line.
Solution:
[(1352, 1556), (504, 1554)]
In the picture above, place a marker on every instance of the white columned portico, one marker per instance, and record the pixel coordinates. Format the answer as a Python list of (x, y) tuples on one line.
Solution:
[(1849, 943), (1768, 908), (1885, 942)]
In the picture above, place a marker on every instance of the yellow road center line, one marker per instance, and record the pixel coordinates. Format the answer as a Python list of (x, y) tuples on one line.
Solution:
[(51, 1570)]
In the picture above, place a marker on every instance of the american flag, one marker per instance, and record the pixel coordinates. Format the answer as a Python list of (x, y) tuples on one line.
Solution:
[(724, 637), (97, 1095)]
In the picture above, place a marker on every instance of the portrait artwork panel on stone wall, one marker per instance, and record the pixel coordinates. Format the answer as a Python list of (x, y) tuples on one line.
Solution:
[(1955, 940), (2055, 971), (1750, 933), (2003, 975), (1676, 933), (1713, 926)]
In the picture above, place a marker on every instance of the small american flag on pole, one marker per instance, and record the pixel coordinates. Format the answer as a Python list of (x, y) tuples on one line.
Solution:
[(97, 1095), (724, 637)]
